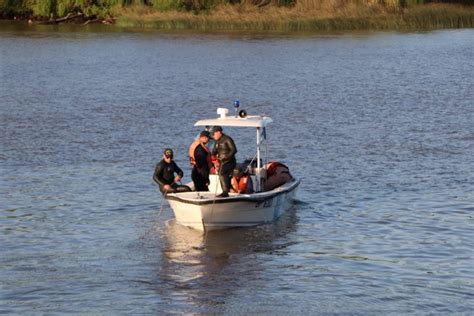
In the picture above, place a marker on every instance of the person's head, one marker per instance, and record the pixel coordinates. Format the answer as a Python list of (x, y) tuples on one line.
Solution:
[(237, 172), (168, 154), (216, 132), (204, 137)]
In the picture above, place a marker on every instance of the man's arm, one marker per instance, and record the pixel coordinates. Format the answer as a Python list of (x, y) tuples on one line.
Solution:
[(232, 148), (178, 170)]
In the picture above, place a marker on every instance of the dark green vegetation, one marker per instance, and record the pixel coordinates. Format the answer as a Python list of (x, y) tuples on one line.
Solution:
[(258, 15)]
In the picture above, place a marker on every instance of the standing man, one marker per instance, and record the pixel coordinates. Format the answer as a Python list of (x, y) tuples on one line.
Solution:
[(165, 177), (200, 158), (225, 150)]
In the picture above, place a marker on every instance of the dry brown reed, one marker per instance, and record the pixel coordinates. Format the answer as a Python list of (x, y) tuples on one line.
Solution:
[(306, 15)]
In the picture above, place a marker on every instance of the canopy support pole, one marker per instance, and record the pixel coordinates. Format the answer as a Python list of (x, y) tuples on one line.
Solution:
[(258, 176)]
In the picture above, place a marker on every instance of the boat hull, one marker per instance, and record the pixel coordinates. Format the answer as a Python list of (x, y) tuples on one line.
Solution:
[(202, 211)]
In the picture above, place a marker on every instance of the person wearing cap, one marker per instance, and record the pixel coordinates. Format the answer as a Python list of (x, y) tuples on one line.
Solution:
[(241, 182), (165, 172), (200, 159), (225, 150), (210, 143)]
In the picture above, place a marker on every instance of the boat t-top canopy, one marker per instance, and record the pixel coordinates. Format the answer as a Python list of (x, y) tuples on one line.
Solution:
[(256, 121), (246, 121)]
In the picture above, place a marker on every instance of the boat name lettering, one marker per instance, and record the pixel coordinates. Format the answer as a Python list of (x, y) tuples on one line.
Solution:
[(268, 203)]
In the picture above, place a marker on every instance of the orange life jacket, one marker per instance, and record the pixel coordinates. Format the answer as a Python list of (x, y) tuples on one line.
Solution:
[(192, 150), (240, 186)]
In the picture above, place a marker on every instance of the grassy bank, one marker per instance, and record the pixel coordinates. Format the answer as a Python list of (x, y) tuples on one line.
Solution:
[(256, 15), (432, 16)]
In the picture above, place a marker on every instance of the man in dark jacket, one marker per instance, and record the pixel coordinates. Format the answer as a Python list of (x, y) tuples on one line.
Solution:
[(165, 177), (225, 150)]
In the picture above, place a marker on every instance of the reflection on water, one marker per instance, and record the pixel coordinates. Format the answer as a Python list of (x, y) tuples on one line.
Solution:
[(205, 270)]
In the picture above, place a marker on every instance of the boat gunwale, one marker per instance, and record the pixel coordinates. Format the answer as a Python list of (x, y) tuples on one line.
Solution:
[(259, 197)]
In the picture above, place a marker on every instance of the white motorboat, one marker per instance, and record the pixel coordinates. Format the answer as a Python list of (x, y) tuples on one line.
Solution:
[(205, 211)]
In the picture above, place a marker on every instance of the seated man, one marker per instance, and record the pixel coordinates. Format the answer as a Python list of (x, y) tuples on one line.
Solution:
[(165, 177), (241, 182)]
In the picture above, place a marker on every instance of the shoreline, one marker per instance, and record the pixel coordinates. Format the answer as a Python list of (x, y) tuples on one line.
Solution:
[(420, 17)]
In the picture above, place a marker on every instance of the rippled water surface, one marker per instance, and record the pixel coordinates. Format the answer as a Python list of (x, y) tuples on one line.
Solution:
[(380, 127)]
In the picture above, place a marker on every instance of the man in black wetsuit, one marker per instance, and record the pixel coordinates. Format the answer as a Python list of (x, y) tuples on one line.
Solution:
[(200, 158), (225, 150), (164, 174)]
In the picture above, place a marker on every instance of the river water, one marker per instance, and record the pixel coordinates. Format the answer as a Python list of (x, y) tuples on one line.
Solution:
[(379, 127)]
